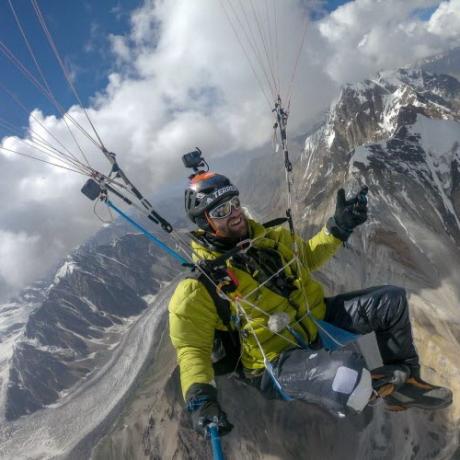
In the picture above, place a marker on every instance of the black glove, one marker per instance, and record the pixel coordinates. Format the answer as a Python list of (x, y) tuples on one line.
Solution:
[(348, 214), (201, 400)]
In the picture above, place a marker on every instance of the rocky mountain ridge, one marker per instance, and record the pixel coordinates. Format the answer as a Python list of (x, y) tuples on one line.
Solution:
[(398, 134), (78, 319)]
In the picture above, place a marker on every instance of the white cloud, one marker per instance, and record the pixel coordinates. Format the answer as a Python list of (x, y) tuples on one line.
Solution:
[(368, 35), (181, 80), (119, 47), (446, 19), (19, 257)]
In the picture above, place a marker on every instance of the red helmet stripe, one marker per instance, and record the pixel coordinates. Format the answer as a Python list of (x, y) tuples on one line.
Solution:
[(201, 177)]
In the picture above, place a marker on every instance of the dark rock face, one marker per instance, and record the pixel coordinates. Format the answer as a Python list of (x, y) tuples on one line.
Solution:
[(455, 189), (445, 63), (36, 378), (79, 316)]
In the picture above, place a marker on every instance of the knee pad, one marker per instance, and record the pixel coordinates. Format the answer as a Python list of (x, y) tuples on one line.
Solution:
[(397, 299), (338, 381)]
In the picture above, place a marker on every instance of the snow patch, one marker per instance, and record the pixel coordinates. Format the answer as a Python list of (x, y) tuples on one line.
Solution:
[(437, 136), (392, 107), (67, 268), (11, 329), (440, 140), (149, 298), (360, 155), (329, 137)]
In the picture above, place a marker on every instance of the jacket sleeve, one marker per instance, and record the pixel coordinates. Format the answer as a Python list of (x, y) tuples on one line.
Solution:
[(319, 249), (192, 321)]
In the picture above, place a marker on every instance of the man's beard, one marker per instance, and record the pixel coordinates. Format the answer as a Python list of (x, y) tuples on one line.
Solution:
[(237, 234)]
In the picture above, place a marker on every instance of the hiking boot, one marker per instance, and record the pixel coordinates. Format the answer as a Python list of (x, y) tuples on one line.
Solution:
[(388, 378), (415, 392)]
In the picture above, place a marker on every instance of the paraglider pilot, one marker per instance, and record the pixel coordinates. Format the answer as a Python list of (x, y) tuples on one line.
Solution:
[(275, 307)]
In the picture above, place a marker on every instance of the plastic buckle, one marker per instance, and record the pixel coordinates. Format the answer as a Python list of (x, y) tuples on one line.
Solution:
[(233, 277), (244, 245), (227, 285)]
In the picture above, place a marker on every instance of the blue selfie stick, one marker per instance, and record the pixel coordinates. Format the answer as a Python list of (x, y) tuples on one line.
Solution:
[(217, 453)]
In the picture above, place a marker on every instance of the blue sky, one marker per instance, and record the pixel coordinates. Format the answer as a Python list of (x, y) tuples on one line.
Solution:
[(80, 30), (425, 13), (331, 5)]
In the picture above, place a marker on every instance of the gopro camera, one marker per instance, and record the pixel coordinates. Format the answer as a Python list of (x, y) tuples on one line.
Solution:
[(194, 160), (91, 189)]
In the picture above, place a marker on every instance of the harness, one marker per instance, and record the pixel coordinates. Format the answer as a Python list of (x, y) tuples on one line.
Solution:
[(261, 264)]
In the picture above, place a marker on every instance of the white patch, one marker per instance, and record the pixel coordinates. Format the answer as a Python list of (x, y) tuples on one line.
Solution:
[(344, 380), (362, 393), (278, 321), (360, 155), (369, 348), (66, 269)]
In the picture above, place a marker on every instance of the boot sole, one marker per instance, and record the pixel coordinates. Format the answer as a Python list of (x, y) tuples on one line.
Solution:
[(401, 407), (394, 408)]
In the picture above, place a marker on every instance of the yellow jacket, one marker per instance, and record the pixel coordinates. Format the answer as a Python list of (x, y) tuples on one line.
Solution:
[(193, 317)]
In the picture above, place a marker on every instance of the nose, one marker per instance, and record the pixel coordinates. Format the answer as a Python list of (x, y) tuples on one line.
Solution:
[(235, 212)]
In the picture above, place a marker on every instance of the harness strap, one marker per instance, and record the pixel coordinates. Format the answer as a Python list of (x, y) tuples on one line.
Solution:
[(275, 222), (222, 305), (230, 340)]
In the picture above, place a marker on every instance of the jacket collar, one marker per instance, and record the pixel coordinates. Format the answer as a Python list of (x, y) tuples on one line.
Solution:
[(211, 247)]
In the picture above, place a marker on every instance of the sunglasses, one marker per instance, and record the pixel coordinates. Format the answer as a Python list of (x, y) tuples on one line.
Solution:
[(225, 209)]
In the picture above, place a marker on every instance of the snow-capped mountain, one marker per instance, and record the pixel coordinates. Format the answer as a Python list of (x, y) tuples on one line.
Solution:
[(398, 133), (59, 333)]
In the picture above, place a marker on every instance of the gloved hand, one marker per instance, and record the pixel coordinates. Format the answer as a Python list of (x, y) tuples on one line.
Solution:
[(348, 214), (201, 400)]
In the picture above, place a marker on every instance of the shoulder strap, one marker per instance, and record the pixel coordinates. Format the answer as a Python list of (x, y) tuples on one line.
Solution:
[(222, 305), (275, 222)]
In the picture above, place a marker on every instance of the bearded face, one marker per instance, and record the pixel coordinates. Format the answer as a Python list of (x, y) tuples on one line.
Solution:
[(232, 226)]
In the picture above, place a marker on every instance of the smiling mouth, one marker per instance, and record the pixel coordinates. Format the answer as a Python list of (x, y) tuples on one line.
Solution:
[(235, 222)]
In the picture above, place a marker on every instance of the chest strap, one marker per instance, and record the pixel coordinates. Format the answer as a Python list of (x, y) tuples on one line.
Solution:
[(222, 305)]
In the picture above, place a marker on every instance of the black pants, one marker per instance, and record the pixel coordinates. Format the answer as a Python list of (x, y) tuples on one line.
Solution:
[(382, 309), (306, 374)]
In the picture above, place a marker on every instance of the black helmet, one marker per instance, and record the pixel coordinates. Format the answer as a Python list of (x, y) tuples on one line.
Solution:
[(205, 191)]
